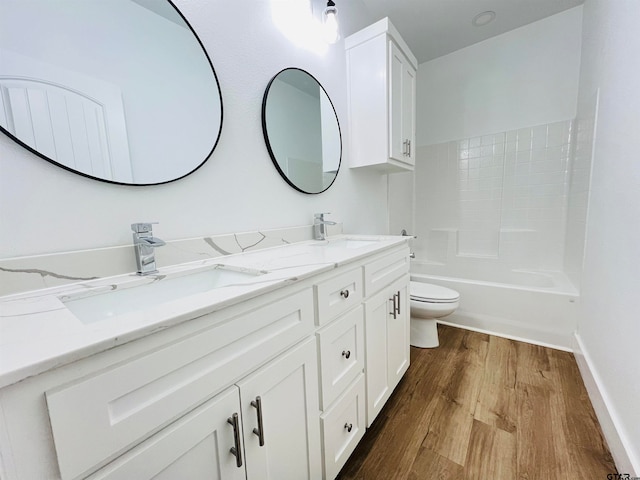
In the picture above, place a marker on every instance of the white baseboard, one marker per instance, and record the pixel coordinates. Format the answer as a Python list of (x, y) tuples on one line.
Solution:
[(495, 330), (618, 445)]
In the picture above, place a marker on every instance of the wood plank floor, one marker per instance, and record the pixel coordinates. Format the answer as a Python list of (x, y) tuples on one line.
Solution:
[(484, 407)]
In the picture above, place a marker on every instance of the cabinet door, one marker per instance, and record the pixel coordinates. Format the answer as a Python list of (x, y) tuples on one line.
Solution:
[(281, 417), (409, 111), (198, 446), (397, 140), (398, 334), (386, 344), (377, 311), (402, 93)]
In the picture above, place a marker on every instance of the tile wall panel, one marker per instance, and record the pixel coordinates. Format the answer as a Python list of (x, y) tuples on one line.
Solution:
[(579, 185), (502, 197)]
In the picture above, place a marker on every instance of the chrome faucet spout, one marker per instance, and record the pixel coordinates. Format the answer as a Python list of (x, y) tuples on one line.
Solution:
[(319, 226), (150, 241), (144, 244)]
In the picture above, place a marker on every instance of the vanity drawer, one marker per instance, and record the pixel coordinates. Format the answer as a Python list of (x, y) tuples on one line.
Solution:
[(341, 353), (338, 294), (100, 416), (382, 272), (343, 426)]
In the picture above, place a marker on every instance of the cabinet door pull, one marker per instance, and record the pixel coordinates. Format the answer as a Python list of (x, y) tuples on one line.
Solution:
[(348, 426), (394, 310), (236, 450), (398, 306), (344, 293), (257, 404), (409, 149), (346, 353)]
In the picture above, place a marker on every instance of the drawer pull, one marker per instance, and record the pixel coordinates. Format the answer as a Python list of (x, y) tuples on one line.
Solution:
[(257, 404), (346, 353), (344, 293), (348, 426), (236, 450)]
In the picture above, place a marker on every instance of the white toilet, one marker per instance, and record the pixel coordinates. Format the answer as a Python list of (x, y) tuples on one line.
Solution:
[(429, 302)]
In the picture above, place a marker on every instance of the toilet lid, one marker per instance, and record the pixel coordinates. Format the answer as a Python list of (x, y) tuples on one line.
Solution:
[(427, 292)]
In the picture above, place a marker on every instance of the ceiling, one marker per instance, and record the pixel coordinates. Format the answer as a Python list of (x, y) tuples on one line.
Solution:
[(433, 28)]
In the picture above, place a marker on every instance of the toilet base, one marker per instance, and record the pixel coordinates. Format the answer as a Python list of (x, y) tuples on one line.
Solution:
[(424, 332)]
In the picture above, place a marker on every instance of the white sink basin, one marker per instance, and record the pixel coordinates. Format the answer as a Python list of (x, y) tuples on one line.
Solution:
[(102, 306)]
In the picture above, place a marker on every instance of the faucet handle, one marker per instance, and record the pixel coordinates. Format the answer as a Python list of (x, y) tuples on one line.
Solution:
[(145, 227), (320, 216)]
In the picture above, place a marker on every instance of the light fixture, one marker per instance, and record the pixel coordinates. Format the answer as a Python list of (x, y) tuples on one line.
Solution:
[(483, 18), (330, 17)]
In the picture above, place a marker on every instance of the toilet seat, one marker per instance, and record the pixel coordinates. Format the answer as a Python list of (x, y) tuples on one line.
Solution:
[(429, 293)]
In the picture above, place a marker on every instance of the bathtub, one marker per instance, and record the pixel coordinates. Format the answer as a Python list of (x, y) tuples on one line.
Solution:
[(530, 306)]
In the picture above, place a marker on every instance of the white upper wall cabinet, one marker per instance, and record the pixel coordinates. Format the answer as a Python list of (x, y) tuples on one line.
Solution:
[(381, 84)]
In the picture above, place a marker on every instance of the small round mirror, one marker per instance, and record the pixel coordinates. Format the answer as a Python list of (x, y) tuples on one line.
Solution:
[(301, 131)]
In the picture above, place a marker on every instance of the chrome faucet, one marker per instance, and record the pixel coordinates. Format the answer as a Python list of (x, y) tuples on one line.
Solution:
[(145, 243), (319, 226)]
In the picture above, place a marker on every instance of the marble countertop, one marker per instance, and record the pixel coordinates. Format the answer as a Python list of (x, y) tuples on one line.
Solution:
[(38, 332)]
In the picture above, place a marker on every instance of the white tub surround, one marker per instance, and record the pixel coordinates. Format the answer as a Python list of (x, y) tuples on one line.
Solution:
[(133, 390), (490, 216), (499, 199)]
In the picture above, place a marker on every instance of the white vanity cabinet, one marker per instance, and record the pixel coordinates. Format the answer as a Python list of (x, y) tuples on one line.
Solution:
[(341, 347), (107, 410), (364, 349), (381, 86), (387, 344), (387, 328), (281, 385), (269, 419)]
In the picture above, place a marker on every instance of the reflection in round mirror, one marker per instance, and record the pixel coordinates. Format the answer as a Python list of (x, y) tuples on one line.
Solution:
[(301, 130), (117, 90)]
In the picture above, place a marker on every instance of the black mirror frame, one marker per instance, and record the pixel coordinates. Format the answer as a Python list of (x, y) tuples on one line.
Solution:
[(215, 144), (266, 134)]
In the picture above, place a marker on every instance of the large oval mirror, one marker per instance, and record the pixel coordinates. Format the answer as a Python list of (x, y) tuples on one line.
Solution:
[(301, 130), (117, 90)]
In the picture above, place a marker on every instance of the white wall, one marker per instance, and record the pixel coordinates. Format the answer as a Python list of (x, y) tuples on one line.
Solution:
[(609, 325), (522, 78), (45, 209)]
